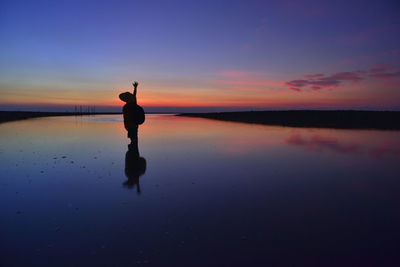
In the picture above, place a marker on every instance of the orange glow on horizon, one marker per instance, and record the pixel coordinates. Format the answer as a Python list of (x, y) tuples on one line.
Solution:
[(225, 93)]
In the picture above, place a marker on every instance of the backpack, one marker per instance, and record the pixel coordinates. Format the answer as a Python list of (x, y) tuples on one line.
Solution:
[(139, 115)]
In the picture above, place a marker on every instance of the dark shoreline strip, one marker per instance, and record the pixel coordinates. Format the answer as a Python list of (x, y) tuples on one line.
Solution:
[(340, 119), (6, 116)]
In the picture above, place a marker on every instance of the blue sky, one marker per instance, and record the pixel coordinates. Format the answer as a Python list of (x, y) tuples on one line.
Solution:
[(197, 53)]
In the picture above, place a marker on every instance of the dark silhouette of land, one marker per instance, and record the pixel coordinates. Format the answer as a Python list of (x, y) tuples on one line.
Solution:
[(23, 115), (341, 119)]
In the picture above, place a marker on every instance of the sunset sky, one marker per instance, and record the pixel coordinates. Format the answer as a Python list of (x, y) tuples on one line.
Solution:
[(200, 55)]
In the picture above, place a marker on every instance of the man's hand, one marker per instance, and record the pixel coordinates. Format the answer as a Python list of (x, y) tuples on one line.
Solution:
[(135, 84)]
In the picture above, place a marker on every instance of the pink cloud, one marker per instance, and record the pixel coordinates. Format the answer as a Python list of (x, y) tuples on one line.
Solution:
[(345, 76), (386, 75), (317, 82), (297, 83), (238, 79), (384, 72), (323, 81), (313, 76)]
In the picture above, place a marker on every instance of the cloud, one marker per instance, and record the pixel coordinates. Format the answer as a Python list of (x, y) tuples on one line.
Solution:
[(346, 76), (298, 83), (319, 81), (378, 68), (386, 75), (313, 76), (381, 72), (251, 80), (325, 82)]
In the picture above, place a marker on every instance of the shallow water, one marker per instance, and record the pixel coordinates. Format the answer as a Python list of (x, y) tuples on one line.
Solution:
[(211, 193)]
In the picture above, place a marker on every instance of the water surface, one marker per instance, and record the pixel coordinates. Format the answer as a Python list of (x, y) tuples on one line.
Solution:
[(211, 193)]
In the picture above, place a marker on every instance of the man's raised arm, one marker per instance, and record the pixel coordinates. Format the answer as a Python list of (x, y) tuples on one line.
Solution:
[(135, 85)]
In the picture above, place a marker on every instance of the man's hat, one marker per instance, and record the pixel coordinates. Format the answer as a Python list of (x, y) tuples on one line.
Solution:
[(127, 97)]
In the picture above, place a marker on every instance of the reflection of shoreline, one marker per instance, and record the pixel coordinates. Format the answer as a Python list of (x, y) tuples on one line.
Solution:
[(340, 119)]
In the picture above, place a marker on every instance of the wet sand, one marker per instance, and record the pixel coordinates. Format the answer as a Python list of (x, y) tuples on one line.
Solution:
[(212, 193), (339, 119)]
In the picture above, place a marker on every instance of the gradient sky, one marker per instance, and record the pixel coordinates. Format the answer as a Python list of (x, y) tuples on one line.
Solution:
[(200, 55)]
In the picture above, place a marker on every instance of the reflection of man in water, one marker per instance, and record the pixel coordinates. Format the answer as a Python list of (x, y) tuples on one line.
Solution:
[(135, 166), (133, 114)]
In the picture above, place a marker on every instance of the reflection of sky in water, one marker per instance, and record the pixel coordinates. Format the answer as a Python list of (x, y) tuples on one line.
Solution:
[(213, 192)]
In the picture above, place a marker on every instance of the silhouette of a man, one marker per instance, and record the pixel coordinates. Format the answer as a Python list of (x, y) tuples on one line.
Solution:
[(133, 115)]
